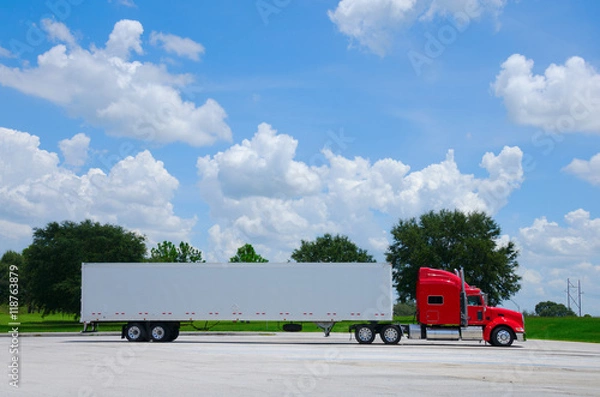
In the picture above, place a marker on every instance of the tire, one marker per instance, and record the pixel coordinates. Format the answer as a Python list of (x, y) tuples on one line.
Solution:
[(136, 332), (292, 327), (502, 336), (364, 334), (160, 332), (390, 334), (173, 333)]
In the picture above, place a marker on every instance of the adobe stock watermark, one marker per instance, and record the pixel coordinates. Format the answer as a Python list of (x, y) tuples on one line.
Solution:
[(510, 378), (545, 141), (109, 368), (267, 8), (336, 143), (316, 370), (437, 43), (14, 368), (34, 36), (312, 372), (585, 105)]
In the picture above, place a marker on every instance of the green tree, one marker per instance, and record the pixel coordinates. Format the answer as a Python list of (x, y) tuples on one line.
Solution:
[(450, 240), (405, 309), (53, 261), (553, 309), (246, 253), (15, 259), (168, 252), (330, 248)]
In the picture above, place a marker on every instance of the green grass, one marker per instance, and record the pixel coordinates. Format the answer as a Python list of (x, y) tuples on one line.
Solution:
[(586, 329), (34, 322), (574, 329)]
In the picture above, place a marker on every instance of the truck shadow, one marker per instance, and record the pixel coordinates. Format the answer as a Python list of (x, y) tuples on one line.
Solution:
[(327, 342)]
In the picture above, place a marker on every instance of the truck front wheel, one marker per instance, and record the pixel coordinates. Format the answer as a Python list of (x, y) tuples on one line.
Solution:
[(135, 332), (502, 336), (390, 334), (364, 334)]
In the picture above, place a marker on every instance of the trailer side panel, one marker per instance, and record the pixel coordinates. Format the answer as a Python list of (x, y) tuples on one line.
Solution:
[(316, 292)]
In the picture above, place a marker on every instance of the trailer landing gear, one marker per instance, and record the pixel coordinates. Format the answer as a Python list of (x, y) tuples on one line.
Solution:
[(90, 327), (326, 327)]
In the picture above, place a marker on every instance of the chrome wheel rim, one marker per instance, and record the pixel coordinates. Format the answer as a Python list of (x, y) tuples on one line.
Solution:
[(365, 334), (158, 333), (503, 337), (390, 334), (134, 332)]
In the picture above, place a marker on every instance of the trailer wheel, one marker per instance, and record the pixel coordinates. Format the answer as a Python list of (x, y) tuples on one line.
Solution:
[(502, 336), (364, 334), (390, 334), (135, 332), (159, 332), (173, 332)]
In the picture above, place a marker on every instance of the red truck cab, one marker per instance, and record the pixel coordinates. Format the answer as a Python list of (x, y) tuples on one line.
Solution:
[(449, 308)]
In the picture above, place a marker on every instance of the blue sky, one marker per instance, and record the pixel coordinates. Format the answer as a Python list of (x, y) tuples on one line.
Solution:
[(271, 121)]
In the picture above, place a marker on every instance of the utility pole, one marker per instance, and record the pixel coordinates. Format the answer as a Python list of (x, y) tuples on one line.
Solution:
[(574, 295)]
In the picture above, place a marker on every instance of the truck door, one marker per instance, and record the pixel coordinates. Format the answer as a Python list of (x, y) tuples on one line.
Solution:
[(475, 309)]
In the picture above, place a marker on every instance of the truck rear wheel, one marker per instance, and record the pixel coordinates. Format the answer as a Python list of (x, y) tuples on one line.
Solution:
[(390, 334), (173, 332), (364, 334), (502, 336), (135, 332), (159, 332)]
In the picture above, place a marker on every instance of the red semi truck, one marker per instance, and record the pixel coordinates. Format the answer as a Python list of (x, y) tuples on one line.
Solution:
[(153, 299), (450, 309)]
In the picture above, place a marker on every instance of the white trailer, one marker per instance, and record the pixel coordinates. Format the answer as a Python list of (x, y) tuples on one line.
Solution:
[(153, 299)]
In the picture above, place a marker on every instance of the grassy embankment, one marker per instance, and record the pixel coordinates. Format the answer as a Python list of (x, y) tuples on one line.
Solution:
[(564, 329), (574, 329)]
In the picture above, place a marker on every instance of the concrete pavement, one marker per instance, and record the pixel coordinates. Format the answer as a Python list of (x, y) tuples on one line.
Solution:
[(299, 364)]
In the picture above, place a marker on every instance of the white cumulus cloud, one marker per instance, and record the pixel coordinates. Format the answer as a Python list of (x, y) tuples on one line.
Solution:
[(34, 190), (4, 53), (580, 238), (258, 192), (262, 166), (566, 98), (125, 3), (14, 232), (125, 37), (58, 32), (472, 8), (182, 46), (587, 170), (554, 252), (75, 150), (373, 23), (125, 97)]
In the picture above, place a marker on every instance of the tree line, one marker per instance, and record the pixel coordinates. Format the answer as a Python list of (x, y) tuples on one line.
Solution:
[(50, 268)]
